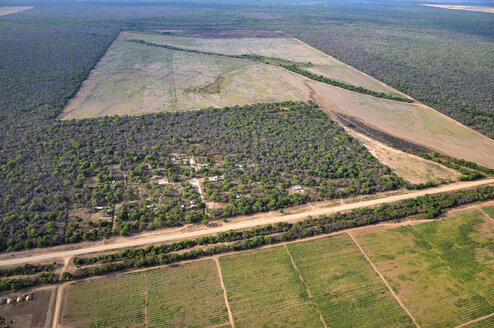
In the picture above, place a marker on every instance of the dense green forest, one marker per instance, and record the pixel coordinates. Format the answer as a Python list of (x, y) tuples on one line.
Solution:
[(46, 53)]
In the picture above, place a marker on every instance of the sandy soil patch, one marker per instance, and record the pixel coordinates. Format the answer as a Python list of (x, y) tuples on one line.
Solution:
[(12, 10), (412, 168), (468, 8)]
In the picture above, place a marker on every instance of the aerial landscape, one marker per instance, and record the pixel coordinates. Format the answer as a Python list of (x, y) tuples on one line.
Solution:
[(262, 163)]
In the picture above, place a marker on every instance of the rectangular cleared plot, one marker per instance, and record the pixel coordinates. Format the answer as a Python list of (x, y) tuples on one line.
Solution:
[(264, 290), (186, 296), (344, 286), (442, 271)]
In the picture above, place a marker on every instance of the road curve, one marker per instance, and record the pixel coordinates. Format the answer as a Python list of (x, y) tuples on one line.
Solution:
[(146, 240)]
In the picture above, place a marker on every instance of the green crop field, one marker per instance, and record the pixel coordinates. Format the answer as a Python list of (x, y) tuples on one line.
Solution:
[(264, 290), (442, 270), (186, 296), (345, 288)]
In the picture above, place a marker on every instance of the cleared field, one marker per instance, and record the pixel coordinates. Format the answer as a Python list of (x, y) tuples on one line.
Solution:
[(413, 122), (284, 48), (489, 210), (411, 168), (468, 8), (12, 10), (345, 288), (264, 290), (37, 313), (186, 296), (135, 79), (442, 271)]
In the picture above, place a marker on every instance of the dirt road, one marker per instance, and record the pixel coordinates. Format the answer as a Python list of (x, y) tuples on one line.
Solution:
[(170, 237)]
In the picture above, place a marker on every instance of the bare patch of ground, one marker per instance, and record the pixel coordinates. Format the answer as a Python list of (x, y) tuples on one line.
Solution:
[(412, 168), (468, 8), (32, 314), (12, 10)]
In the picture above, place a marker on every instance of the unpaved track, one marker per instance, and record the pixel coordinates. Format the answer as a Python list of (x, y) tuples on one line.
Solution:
[(146, 240)]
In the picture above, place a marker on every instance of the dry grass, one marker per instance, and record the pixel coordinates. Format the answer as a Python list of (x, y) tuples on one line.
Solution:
[(414, 122), (410, 167)]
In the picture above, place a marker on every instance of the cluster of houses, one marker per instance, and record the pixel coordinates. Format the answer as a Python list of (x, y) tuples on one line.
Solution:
[(16, 299)]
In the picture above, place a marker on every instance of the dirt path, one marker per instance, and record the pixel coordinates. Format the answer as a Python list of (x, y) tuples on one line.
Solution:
[(166, 237), (227, 304), (305, 286), (384, 280), (58, 305), (476, 320), (486, 215)]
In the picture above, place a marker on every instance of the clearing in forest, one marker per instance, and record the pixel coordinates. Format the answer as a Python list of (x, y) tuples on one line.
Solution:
[(345, 288), (155, 72), (189, 295), (442, 271), (412, 168), (264, 290), (12, 10)]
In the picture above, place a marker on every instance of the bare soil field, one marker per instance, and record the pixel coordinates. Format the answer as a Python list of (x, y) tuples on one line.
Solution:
[(32, 314), (12, 10), (442, 271), (410, 121), (468, 8)]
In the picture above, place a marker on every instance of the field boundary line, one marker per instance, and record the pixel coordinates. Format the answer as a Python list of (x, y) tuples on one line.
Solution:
[(58, 305), (476, 320), (146, 298), (305, 285), (225, 296), (383, 279), (487, 215)]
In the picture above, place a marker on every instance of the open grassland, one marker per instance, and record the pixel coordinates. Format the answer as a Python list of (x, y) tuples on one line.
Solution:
[(12, 10), (442, 271), (284, 48), (489, 210), (135, 79), (186, 296), (345, 288), (412, 168), (264, 290), (410, 121)]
